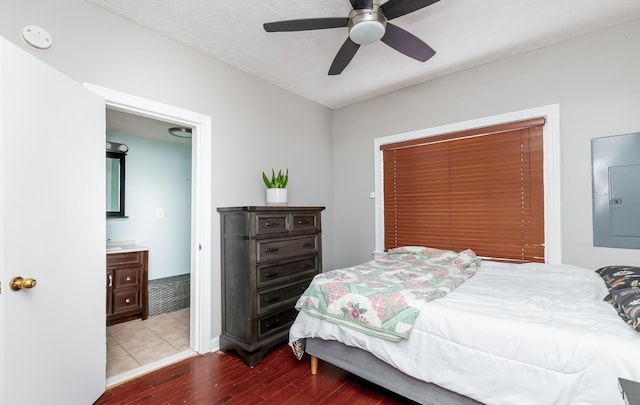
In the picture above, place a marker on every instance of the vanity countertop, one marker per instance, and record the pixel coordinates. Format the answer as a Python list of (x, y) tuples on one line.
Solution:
[(124, 247)]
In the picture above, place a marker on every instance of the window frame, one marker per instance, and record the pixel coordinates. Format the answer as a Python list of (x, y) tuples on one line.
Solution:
[(551, 139)]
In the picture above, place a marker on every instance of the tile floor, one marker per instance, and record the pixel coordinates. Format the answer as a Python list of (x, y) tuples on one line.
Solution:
[(137, 343)]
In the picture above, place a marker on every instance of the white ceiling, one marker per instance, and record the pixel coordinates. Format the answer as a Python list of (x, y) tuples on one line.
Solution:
[(136, 125), (464, 33)]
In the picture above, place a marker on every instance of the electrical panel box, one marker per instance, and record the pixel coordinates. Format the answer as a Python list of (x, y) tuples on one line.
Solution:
[(615, 161)]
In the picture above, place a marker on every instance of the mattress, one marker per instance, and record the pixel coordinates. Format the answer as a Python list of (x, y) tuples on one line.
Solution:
[(526, 334)]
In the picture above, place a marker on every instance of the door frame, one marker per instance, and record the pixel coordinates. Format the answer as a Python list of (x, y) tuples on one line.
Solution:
[(201, 237)]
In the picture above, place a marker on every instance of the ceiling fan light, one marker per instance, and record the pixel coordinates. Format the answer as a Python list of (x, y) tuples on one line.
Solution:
[(367, 25), (367, 32)]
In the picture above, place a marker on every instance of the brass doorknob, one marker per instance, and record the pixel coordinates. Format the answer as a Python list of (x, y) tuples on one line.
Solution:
[(18, 283)]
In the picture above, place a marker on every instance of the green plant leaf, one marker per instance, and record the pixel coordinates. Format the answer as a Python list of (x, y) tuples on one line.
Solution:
[(266, 180)]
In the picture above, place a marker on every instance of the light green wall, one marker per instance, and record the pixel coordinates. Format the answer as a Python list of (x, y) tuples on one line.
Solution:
[(595, 81), (158, 176)]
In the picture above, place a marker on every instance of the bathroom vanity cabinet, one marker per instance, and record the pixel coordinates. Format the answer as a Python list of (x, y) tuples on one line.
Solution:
[(127, 285), (269, 256)]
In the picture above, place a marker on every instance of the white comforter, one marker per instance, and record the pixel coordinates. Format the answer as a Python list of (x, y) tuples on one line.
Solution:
[(512, 334)]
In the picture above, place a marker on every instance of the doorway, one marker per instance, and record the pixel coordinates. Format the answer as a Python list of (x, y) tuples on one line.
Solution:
[(156, 217), (201, 236)]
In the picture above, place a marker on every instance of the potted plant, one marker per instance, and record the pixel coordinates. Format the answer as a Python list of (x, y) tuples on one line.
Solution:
[(276, 187)]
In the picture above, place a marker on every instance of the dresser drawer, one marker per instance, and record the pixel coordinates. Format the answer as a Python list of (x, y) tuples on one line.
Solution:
[(273, 299), (127, 277), (126, 300), (271, 223), (305, 222), (124, 259), (269, 275), (276, 323), (280, 248)]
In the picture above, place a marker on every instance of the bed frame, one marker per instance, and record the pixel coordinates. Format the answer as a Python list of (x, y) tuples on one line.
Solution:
[(367, 366)]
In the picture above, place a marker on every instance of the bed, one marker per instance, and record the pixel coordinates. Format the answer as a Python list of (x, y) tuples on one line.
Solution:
[(509, 334)]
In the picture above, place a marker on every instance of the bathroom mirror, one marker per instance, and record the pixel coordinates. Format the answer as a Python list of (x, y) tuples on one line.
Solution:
[(115, 184)]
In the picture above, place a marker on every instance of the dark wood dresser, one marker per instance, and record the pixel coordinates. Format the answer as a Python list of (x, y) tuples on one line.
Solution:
[(269, 256), (127, 286)]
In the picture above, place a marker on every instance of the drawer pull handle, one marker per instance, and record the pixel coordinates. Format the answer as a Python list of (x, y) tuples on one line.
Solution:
[(270, 250), (110, 281), (275, 323), (306, 244), (128, 278), (272, 299), (127, 300), (271, 274), (274, 223), (303, 222), (307, 265)]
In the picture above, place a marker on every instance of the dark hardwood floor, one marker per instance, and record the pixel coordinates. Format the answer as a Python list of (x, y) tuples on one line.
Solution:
[(219, 378)]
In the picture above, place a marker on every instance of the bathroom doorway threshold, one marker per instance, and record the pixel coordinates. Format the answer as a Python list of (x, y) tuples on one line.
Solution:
[(147, 368)]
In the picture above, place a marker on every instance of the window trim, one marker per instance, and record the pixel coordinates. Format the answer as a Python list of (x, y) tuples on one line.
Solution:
[(551, 136)]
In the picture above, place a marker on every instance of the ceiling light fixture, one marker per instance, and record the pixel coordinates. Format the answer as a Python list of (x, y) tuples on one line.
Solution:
[(180, 132), (367, 26)]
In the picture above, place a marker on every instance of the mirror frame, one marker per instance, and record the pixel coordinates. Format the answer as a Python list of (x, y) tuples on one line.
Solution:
[(120, 157)]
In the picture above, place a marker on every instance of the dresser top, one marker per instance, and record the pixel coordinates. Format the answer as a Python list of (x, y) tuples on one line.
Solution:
[(255, 208)]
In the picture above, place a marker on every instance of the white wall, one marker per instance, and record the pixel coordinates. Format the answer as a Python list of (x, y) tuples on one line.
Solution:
[(595, 81), (158, 176), (255, 125)]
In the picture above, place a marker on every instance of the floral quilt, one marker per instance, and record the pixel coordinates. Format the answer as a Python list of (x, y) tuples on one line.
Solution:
[(383, 297)]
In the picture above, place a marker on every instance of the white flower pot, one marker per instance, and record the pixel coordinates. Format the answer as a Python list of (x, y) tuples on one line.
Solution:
[(276, 196)]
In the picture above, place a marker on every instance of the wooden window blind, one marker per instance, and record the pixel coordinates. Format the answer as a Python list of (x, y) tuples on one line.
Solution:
[(481, 189)]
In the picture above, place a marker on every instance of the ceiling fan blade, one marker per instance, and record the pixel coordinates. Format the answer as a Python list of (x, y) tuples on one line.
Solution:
[(361, 4), (407, 43), (343, 57), (397, 8), (306, 24)]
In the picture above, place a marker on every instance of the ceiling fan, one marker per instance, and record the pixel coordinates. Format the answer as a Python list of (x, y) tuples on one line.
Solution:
[(367, 23)]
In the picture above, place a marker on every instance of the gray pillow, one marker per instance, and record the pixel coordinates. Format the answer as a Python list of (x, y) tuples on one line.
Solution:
[(627, 303)]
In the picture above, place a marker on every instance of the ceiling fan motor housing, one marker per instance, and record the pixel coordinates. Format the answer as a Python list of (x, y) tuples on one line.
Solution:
[(367, 25)]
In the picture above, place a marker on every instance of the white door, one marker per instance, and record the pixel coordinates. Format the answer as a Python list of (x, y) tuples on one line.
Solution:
[(52, 229)]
